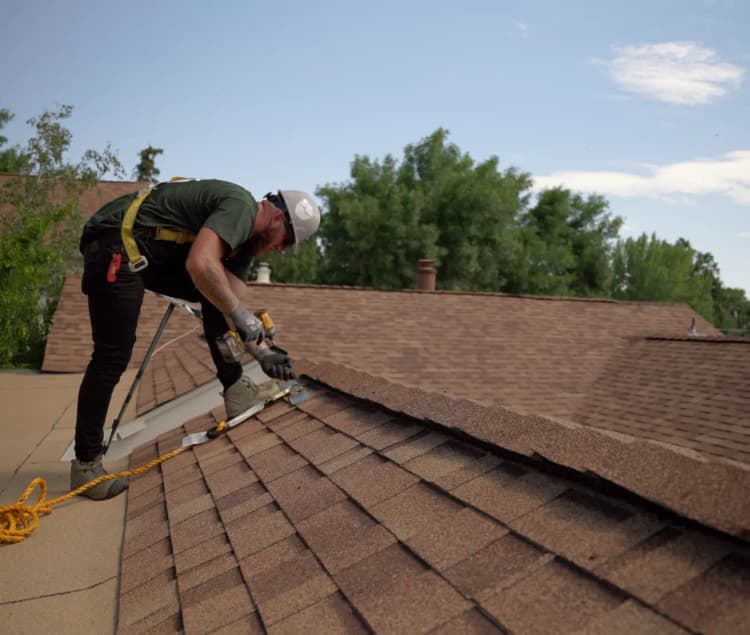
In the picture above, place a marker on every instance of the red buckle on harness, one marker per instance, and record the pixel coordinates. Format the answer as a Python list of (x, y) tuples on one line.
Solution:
[(114, 267)]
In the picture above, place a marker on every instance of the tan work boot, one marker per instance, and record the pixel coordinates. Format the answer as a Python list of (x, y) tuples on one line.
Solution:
[(81, 472), (244, 394)]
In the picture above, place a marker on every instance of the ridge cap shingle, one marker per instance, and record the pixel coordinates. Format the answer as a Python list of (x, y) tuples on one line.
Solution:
[(712, 493)]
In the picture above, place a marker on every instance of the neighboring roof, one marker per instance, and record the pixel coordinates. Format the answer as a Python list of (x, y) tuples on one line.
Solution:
[(586, 361), (374, 506), (93, 198)]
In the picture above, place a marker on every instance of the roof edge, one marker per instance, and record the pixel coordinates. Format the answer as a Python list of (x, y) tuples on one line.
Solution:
[(542, 298), (712, 493)]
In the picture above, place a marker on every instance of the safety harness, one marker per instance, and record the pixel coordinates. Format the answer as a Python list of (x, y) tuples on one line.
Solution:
[(137, 261)]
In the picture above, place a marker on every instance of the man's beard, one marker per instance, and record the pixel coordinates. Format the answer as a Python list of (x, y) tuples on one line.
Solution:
[(255, 243)]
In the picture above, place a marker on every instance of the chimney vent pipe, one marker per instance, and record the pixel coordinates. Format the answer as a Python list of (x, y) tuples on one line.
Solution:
[(426, 275)]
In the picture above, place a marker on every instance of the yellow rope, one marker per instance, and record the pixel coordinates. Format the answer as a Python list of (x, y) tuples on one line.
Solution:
[(18, 521)]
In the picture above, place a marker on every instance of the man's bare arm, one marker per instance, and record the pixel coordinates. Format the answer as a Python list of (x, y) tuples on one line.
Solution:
[(209, 274)]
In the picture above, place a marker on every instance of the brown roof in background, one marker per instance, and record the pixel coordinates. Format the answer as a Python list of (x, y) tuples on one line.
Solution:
[(93, 198), (346, 516), (585, 361)]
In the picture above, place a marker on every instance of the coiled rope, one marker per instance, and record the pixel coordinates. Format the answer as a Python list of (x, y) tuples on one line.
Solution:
[(18, 521)]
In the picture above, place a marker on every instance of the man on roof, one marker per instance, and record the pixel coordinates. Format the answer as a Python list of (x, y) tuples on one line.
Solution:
[(195, 240)]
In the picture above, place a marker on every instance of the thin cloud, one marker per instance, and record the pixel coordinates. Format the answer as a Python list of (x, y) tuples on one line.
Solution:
[(744, 234), (728, 176), (522, 28), (674, 72)]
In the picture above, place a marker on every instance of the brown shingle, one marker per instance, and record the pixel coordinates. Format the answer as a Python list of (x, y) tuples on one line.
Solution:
[(629, 618), (246, 625), (275, 462), (344, 459), (379, 571), (164, 621), (468, 623), (203, 552), (290, 587), (552, 599), (414, 447), (158, 593), (413, 605), (186, 493), (215, 603), (357, 419), (145, 565), (243, 501), (274, 411), (178, 513), (322, 404), (285, 420), (455, 538), (256, 443), (664, 562), (509, 492), (373, 479), (343, 535), (322, 445), (585, 528), (390, 433), (503, 560), (299, 428), (304, 493), (257, 530), (209, 571), (235, 477), (715, 601), (415, 510), (332, 616), (522, 586), (196, 529)]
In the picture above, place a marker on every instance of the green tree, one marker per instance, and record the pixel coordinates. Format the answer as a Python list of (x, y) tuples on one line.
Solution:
[(39, 226), (11, 159), (436, 203), (567, 245), (300, 266), (652, 269), (146, 169)]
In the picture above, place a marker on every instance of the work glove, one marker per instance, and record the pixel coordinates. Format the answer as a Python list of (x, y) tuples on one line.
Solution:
[(248, 327), (275, 363)]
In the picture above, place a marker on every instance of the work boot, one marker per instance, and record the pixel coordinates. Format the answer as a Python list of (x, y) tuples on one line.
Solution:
[(81, 472), (244, 394)]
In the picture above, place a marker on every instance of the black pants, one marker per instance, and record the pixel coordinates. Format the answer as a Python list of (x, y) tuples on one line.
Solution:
[(114, 308)]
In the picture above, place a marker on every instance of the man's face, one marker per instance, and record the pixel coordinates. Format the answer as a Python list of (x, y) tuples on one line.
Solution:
[(277, 237)]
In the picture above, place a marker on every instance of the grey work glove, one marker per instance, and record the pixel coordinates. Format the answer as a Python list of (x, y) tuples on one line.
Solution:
[(275, 363), (249, 327)]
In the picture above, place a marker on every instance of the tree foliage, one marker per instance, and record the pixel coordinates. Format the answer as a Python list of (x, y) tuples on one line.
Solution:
[(146, 169), (436, 203), (646, 268), (567, 244), (297, 266), (39, 226)]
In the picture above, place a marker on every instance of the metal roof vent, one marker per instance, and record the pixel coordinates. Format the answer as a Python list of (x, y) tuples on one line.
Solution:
[(263, 274)]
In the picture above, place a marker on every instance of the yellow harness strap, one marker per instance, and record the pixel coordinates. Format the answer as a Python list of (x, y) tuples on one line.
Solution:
[(137, 261)]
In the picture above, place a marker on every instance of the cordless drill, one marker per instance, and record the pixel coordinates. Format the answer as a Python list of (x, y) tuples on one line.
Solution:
[(232, 347)]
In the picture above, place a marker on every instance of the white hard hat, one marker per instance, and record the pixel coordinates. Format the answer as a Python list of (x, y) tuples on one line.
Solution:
[(304, 213)]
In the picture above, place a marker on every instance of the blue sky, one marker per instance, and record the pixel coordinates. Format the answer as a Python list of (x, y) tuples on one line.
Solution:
[(644, 102)]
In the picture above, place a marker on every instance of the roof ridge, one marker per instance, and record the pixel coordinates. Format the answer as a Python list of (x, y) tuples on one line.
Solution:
[(715, 494), (713, 339), (558, 298)]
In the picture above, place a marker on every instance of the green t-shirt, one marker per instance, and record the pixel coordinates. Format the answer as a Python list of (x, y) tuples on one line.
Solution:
[(187, 206)]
